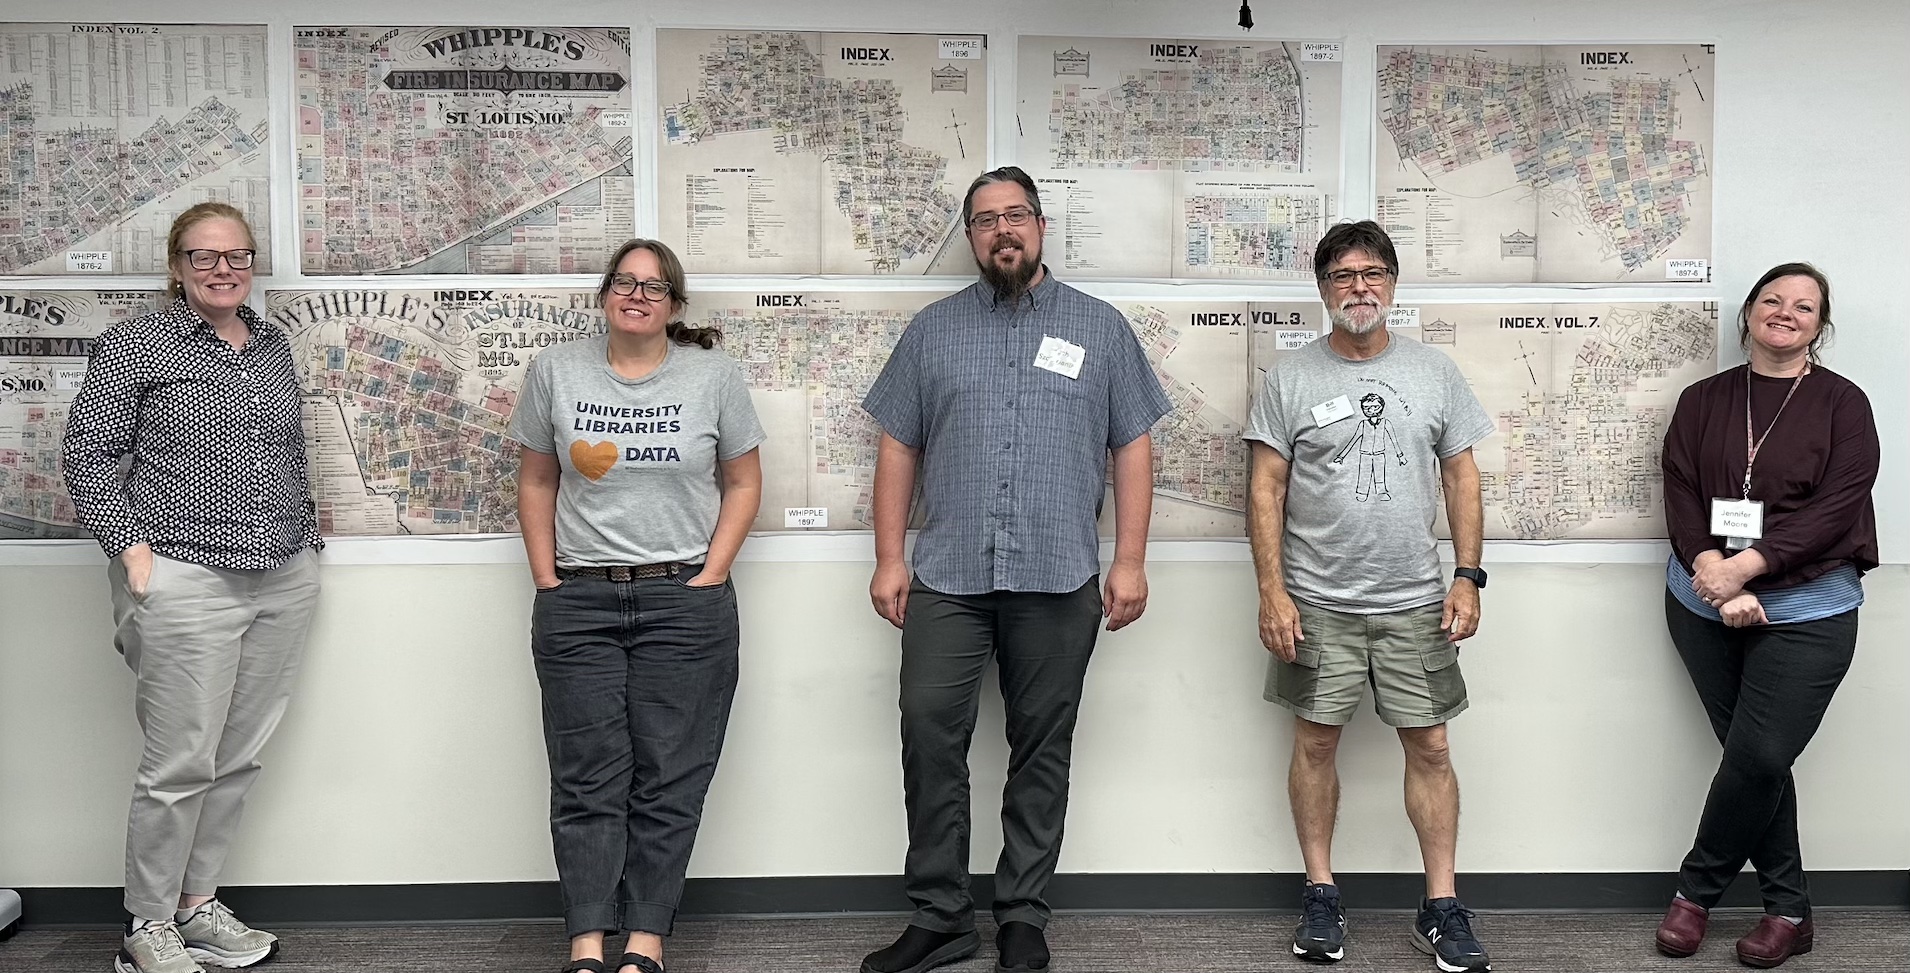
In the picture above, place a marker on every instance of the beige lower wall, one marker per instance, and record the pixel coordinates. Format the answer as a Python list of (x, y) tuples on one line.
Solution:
[(413, 753)]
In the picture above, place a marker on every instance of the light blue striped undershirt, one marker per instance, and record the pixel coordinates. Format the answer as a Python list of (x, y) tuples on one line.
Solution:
[(1835, 592)]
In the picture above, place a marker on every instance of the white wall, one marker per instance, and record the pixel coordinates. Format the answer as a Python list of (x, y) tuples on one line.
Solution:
[(413, 752)]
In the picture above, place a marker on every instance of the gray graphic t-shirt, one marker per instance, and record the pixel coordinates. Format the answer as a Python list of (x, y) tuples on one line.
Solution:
[(638, 456), (1365, 439)]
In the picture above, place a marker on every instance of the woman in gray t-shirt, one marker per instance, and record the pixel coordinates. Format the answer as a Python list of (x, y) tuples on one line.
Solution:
[(639, 481)]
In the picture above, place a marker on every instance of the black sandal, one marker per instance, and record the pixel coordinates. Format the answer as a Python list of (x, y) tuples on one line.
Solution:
[(584, 966), (644, 964)]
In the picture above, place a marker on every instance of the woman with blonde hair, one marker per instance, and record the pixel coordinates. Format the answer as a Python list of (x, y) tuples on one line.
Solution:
[(185, 456)]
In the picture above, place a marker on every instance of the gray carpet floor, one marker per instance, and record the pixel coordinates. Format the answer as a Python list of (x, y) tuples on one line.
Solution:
[(1847, 942)]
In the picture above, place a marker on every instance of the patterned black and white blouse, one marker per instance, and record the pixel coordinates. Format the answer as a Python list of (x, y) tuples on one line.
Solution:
[(216, 440)]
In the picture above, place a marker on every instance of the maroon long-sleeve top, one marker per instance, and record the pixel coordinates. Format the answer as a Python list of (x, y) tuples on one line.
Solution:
[(1813, 473)]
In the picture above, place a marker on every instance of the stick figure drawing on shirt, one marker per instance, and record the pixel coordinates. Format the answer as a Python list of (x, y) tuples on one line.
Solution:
[(1373, 437)]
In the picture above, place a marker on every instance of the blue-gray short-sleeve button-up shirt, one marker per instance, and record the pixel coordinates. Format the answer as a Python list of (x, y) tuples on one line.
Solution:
[(1014, 456)]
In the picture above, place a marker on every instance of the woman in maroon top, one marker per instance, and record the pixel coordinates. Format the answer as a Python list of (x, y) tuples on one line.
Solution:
[(1768, 470)]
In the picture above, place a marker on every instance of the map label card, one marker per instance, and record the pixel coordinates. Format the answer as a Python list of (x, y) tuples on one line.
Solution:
[(1402, 317), (795, 517), (68, 379), (89, 261), (1319, 52), (961, 48), (1285, 340), (1687, 270)]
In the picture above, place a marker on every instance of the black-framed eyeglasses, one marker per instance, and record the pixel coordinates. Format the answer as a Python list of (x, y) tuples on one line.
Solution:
[(208, 259), (625, 285), (987, 221), (1373, 276)]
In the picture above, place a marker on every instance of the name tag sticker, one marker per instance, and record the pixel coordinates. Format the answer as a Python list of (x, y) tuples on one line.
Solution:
[(805, 516), (1739, 522), (1060, 356), (1328, 413)]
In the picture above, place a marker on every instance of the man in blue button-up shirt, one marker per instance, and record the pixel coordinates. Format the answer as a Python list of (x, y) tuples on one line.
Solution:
[(1011, 396)]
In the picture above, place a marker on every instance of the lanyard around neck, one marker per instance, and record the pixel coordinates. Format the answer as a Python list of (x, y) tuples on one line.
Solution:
[(1751, 446)]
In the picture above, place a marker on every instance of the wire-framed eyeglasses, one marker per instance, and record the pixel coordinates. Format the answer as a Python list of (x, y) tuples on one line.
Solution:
[(1373, 276), (987, 221)]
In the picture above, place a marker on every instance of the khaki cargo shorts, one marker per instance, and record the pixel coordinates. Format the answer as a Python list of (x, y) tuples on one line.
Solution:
[(1403, 655)]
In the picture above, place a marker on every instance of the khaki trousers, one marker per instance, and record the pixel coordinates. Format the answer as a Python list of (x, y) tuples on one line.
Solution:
[(215, 652)]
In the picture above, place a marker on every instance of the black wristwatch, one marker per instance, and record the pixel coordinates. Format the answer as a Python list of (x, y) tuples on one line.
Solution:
[(1475, 575)]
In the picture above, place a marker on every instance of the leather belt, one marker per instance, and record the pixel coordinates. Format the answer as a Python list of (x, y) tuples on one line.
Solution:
[(631, 572)]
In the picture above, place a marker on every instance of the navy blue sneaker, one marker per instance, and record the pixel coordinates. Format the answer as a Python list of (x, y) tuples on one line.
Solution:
[(1321, 934), (1444, 931)]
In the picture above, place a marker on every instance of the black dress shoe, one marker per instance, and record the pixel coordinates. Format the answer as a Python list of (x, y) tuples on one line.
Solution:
[(1022, 948), (921, 949)]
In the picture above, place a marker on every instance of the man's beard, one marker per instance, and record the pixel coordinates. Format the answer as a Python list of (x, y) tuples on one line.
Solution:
[(1343, 319), (1009, 285)]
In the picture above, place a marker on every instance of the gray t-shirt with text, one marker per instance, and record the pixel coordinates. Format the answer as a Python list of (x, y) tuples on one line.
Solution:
[(1363, 490), (638, 456)]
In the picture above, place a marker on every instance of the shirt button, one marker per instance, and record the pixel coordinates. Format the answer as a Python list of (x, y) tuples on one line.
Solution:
[(1008, 445), (1004, 486)]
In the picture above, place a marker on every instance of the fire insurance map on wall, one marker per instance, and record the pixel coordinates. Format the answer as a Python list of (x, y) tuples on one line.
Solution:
[(1163, 158), (462, 150), (808, 153), (409, 394), (108, 131), (1547, 164), (1580, 395)]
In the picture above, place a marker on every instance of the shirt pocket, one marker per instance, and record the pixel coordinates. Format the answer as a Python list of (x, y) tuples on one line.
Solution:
[(1078, 403)]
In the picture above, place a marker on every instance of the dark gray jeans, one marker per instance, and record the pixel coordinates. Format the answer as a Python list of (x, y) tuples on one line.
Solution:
[(1042, 643), (637, 679), (1765, 690)]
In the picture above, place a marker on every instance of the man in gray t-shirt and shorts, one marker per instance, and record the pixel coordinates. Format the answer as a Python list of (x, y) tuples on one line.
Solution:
[(1353, 439)]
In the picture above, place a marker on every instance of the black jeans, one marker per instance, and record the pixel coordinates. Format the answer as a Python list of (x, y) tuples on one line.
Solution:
[(1765, 690), (637, 679), (1042, 643)]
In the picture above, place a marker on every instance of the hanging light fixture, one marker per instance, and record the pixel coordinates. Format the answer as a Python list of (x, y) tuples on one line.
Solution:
[(1246, 16)]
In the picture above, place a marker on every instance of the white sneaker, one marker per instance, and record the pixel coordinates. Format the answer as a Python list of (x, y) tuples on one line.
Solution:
[(216, 937), (154, 947)]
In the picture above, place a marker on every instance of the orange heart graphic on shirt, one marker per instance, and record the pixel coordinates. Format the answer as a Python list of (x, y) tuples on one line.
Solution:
[(593, 460)]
